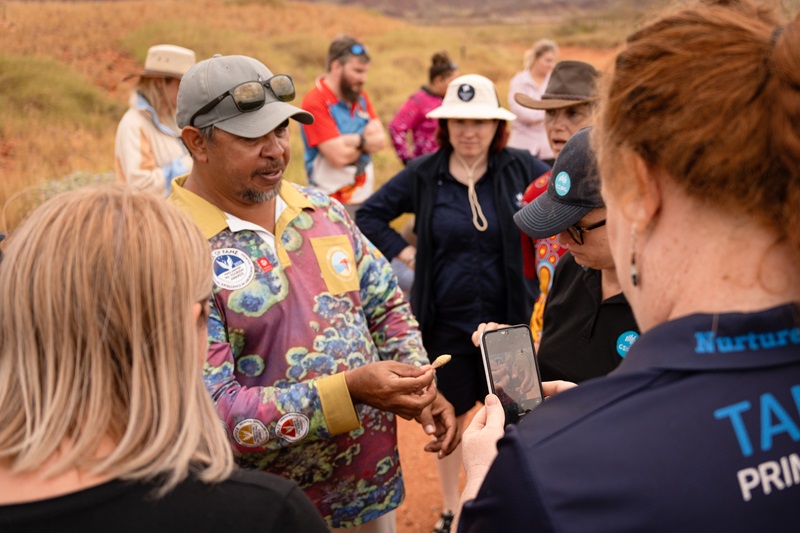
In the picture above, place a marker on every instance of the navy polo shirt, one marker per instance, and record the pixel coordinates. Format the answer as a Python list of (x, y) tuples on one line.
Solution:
[(697, 430)]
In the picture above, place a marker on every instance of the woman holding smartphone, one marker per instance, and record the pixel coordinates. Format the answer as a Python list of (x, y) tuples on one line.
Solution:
[(698, 428)]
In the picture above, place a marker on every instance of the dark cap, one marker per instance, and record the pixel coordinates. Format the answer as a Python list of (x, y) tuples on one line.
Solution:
[(573, 191), (571, 83)]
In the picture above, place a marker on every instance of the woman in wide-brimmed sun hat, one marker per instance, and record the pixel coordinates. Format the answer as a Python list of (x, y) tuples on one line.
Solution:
[(468, 261), (148, 150)]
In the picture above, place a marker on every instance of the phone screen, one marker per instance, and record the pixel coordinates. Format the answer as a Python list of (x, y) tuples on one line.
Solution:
[(512, 373)]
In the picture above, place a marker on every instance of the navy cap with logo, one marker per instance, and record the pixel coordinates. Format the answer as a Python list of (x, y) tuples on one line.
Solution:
[(574, 190)]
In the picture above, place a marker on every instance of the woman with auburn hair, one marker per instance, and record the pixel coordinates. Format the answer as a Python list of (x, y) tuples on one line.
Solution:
[(698, 141), (104, 417)]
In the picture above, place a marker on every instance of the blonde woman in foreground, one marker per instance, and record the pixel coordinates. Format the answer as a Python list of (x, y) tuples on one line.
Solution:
[(104, 418)]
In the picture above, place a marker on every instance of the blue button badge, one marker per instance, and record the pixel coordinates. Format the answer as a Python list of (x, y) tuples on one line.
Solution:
[(625, 341), (563, 183)]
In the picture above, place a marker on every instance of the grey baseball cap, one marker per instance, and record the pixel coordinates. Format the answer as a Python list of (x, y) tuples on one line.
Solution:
[(573, 191), (210, 78)]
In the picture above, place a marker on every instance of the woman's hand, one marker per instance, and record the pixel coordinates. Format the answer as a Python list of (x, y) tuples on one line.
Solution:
[(480, 445), (408, 256), (483, 327)]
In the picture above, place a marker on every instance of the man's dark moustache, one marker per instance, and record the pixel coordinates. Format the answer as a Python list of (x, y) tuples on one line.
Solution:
[(269, 170)]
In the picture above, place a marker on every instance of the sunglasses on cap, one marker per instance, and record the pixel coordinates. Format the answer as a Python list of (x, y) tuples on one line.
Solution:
[(356, 49), (252, 95), (576, 232)]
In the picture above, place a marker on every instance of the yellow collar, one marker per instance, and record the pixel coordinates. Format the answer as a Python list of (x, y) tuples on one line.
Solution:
[(211, 219)]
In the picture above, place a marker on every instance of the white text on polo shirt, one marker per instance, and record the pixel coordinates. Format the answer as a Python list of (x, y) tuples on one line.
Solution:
[(770, 475), (775, 422), (709, 342)]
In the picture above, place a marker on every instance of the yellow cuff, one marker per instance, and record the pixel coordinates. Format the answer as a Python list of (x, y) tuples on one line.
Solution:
[(337, 406)]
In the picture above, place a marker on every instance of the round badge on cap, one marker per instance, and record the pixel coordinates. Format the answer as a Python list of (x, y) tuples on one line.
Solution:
[(466, 92), (563, 183)]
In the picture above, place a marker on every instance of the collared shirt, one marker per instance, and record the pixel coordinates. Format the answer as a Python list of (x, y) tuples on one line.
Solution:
[(527, 132), (584, 336), (147, 153), (697, 430), (285, 325), (469, 282), (332, 118)]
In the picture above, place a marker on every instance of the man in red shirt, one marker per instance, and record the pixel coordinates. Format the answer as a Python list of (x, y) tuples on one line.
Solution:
[(346, 129)]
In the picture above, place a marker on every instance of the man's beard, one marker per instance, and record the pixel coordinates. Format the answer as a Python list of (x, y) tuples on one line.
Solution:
[(259, 197), (348, 92)]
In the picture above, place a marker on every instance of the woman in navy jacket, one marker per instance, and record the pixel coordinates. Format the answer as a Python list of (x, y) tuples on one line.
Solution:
[(468, 264)]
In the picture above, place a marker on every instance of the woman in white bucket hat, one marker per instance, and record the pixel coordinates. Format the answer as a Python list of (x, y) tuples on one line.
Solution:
[(468, 263), (148, 150)]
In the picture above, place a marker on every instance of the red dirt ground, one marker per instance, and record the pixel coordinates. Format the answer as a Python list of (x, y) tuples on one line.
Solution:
[(422, 505)]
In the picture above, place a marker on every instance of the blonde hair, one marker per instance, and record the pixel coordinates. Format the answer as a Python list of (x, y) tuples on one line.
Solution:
[(152, 89), (539, 48), (98, 339), (710, 93)]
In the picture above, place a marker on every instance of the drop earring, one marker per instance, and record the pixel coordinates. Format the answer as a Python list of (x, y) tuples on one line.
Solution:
[(634, 268)]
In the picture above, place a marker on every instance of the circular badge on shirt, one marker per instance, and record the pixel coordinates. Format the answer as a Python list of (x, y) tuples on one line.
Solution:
[(251, 433), (233, 268), (340, 262), (292, 427), (466, 92), (563, 183), (625, 341)]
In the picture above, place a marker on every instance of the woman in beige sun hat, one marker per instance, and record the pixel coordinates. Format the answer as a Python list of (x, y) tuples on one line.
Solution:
[(148, 150), (468, 258)]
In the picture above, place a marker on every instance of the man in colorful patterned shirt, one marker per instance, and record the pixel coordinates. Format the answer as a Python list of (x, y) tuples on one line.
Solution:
[(312, 348), (346, 129)]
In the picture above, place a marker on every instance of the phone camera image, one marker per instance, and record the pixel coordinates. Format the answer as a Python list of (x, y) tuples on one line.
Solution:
[(511, 370)]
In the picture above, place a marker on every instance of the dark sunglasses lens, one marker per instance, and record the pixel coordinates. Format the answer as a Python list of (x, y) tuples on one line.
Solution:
[(249, 96), (357, 49), (282, 87), (576, 235)]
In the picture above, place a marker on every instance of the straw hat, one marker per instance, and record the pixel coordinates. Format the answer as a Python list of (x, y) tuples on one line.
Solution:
[(167, 61), (471, 96)]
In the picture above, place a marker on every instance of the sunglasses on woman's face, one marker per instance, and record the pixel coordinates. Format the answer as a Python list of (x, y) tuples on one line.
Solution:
[(252, 95), (576, 232)]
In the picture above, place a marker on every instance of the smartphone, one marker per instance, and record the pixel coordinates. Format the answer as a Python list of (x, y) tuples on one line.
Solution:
[(509, 361)]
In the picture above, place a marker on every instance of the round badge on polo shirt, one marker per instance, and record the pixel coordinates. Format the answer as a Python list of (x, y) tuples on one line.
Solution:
[(625, 341), (563, 183), (292, 427), (251, 433), (466, 92), (233, 268)]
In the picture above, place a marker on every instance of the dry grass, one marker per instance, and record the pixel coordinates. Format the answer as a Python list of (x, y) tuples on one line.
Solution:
[(62, 66)]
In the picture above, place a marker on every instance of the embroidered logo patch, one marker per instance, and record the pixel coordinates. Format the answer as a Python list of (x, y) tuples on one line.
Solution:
[(563, 183), (625, 341), (251, 433), (466, 92), (233, 268), (292, 427)]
